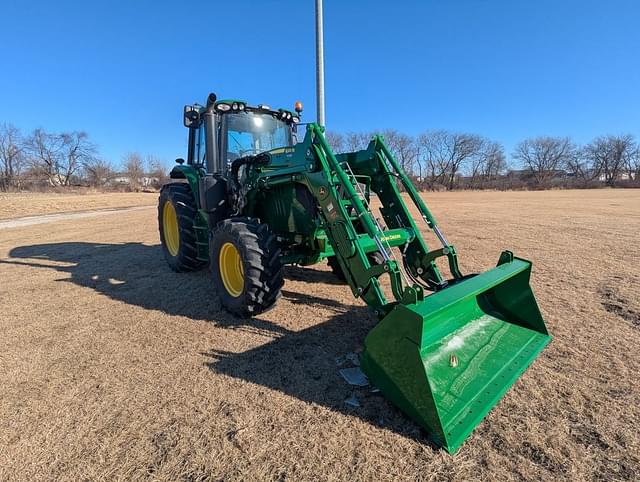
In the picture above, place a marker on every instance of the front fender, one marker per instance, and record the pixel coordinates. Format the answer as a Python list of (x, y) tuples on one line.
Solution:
[(192, 175)]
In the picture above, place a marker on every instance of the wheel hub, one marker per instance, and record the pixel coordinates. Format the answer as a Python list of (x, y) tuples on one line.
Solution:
[(170, 228), (231, 269)]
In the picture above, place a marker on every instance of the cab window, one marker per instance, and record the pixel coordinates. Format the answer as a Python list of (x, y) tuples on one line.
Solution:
[(200, 148), (250, 133)]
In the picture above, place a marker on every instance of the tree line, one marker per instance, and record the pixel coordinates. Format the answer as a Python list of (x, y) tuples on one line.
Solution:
[(44, 159), (436, 159), (443, 159)]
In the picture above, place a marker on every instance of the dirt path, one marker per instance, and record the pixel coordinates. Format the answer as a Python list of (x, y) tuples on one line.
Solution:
[(113, 367), (52, 218), (17, 205)]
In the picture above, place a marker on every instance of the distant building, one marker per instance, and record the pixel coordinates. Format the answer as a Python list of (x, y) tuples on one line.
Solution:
[(122, 179), (623, 176)]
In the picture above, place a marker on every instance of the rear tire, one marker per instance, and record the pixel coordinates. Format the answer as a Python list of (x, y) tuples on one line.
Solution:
[(176, 214), (246, 266)]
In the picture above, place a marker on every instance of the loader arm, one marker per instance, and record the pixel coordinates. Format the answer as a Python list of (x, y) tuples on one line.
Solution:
[(344, 206)]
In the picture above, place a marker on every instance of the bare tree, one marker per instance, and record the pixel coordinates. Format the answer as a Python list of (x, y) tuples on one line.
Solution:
[(356, 141), (487, 164), (403, 147), (157, 171), (97, 171), (582, 168), (11, 155), (76, 151), (44, 151), (495, 160), (544, 156), (430, 145), (445, 154), (58, 157), (134, 169), (611, 156), (633, 163), (335, 141)]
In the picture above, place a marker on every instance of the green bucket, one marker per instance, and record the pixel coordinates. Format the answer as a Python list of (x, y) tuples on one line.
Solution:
[(447, 360)]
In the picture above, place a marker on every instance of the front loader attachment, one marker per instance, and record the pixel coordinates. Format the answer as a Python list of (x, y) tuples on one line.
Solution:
[(447, 360)]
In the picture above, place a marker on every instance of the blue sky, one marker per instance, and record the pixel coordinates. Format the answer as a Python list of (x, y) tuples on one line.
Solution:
[(504, 69)]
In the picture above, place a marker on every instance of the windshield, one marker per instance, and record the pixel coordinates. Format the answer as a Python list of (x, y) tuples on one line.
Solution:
[(250, 133)]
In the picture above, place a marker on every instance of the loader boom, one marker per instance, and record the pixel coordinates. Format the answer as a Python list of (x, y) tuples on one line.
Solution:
[(346, 216)]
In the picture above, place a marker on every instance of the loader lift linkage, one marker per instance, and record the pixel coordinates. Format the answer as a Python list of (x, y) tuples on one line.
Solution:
[(250, 199)]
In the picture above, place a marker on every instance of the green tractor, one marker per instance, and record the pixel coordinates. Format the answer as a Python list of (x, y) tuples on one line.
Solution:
[(255, 195)]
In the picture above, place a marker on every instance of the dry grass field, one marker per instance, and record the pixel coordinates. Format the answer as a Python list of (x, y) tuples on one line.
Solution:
[(14, 205), (112, 367)]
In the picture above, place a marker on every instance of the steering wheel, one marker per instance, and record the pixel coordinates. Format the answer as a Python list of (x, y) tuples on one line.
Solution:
[(244, 152)]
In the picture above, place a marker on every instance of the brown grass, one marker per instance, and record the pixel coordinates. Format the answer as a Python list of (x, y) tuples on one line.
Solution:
[(15, 205), (113, 367)]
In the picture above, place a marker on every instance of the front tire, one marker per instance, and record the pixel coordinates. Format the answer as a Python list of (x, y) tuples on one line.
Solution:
[(176, 215), (245, 265)]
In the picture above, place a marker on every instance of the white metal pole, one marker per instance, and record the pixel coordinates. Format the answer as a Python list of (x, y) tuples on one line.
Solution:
[(319, 64)]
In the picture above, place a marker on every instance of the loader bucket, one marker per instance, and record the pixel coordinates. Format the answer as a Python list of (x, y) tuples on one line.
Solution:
[(447, 360)]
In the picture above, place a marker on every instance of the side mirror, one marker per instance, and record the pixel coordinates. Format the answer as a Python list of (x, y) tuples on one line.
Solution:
[(191, 116), (180, 160)]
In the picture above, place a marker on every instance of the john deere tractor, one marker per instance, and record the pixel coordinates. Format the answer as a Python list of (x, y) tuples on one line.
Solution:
[(255, 195)]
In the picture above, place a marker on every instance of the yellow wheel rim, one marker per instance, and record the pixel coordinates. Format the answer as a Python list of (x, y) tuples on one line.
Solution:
[(170, 228), (231, 269)]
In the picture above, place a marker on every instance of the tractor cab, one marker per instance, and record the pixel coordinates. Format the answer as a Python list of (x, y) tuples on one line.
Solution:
[(250, 132), (230, 129)]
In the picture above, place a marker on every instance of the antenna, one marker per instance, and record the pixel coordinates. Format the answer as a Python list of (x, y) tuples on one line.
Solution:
[(319, 64)]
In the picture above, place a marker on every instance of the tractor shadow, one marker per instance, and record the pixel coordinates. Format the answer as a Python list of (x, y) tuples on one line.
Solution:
[(310, 275), (305, 364), (300, 363), (136, 274)]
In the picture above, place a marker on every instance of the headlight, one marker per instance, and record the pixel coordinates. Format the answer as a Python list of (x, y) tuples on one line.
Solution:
[(241, 106), (296, 120), (234, 106), (223, 107)]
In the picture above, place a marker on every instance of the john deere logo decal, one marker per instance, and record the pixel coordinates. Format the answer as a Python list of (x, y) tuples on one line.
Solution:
[(391, 237)]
